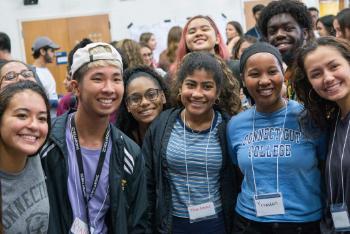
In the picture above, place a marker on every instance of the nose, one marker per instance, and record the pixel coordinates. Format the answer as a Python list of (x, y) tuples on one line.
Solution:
[(108, 86), (328, 77), (21, 78), (264, 80), (33, 124), (197, 92), (280, 33), (338, 34)]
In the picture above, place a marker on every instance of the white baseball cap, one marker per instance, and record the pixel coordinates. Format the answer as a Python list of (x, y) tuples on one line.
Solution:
[(83, 56)]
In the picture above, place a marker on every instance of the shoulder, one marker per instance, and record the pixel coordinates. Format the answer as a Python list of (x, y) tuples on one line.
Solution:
[(122, 140), (165, 117), (242, 116), (295, 107)]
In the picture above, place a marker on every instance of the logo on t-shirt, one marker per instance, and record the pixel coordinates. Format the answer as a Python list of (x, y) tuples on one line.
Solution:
[(271, 142)]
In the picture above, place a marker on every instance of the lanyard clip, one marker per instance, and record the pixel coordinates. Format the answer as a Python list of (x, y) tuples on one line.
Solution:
[(123, 184)]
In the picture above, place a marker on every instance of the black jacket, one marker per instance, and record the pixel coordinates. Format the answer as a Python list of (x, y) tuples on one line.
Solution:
[(128, 200), (158, 186)]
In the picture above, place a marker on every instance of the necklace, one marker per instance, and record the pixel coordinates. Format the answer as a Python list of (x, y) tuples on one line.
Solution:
[(189, 125)]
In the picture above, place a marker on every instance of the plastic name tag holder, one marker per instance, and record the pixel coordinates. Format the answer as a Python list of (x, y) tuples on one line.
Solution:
[(269, 204), (201, 211), (340, 217), (79, 227)]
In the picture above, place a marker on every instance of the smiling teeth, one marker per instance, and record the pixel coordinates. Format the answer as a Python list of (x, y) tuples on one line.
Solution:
[(29, 138), (265, 92), (106, 101)]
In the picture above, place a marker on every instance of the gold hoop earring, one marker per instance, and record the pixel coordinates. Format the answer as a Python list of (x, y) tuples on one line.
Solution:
[(217, 101)]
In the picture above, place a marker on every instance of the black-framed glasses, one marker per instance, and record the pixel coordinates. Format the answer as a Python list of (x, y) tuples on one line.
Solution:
[(13, 76), (136, 98)]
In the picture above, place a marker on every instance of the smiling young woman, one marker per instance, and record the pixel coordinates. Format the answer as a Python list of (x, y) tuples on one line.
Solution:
[(186, 146), (322, 81), (278, 160), (24, 126), (145, 97)]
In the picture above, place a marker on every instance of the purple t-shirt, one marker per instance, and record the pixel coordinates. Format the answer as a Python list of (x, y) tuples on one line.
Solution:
[(99, 203)]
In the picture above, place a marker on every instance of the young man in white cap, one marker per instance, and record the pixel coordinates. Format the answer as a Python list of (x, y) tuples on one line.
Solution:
[(95, 173), (43, 50)]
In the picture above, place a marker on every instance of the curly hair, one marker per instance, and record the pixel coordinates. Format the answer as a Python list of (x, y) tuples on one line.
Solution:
[(323, 112), (295, 8), (227, 85), (132, 52), (125, 121)]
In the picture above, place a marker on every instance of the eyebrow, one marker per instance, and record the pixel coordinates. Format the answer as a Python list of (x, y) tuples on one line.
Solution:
[(27, 110)]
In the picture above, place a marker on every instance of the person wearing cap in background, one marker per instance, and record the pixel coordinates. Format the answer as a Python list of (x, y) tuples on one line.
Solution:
[(43, 50), (95, 173)]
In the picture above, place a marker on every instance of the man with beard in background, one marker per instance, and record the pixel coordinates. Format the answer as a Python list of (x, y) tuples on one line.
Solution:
[(43, 53), (286, 25)]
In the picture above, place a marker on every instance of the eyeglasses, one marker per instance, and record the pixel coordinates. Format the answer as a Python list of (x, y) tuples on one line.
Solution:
[(136, 99), (13, 76)]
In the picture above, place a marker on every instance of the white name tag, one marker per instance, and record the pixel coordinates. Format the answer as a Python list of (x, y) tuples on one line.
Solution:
[(79, 227), (269, 204), (201, 211), (340, 217)]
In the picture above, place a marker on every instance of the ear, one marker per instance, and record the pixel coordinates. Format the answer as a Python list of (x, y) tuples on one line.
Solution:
[(217, 42), (306, 35), (127, 107), (42, 51), (162, 96), (75, 87)]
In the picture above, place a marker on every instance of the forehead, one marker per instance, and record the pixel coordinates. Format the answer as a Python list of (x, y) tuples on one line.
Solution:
[(103, 68), (201, 75), (282, 19), (13, 66), (141, 84), (322, 53), (27, 99), (199, 22), (261, 59), (145, 49)]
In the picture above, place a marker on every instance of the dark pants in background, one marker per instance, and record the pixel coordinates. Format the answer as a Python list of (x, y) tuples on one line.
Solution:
[(245, 226), (209, 226)]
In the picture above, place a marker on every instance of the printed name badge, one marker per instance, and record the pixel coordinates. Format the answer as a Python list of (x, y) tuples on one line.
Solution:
[(79, 227), (269, 204), (340, 217), (201, 211)]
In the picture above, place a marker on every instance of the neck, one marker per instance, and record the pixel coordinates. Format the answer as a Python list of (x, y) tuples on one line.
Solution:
[(39, 62), (11, 162), (5, 56), (90, 130), (142, 131), (198, 123), (272, 108)]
